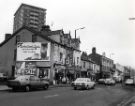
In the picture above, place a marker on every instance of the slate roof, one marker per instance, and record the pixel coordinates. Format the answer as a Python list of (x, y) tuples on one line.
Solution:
[(38, 33)]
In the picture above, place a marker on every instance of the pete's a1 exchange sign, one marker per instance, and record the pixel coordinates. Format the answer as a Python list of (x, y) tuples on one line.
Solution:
[(33, 51)]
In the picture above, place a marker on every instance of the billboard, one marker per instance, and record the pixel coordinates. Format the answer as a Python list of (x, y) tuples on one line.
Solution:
[(33, 51), (25, 68)]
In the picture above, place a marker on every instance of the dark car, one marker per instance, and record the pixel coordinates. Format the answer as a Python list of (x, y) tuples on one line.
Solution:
[(27, 82)]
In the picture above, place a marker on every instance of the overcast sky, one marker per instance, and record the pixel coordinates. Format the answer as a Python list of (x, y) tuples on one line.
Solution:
[(106, 22)]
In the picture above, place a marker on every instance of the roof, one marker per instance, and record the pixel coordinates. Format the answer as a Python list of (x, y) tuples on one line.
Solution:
[(38, 33), (85, 57), (75, 40), (100, 56), (26, 5)]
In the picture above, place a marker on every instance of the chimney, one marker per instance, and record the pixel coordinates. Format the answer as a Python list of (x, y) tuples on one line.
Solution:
[(45, 28), (7, 36), (94, 50)]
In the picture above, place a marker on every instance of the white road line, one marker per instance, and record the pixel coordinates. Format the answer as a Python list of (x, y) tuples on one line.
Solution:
[(51, 96)]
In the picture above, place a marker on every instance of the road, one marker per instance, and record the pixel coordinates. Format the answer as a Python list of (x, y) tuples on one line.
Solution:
[(66, 96)]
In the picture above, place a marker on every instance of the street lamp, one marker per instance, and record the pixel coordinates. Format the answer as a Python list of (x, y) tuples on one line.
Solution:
[(132, 18), (78, 29)]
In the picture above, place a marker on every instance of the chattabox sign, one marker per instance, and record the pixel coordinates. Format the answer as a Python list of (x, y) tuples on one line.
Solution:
[(33, 51)]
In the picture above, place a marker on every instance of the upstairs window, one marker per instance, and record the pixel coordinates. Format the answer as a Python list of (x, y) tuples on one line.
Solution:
[(77, 60), (61, 55)]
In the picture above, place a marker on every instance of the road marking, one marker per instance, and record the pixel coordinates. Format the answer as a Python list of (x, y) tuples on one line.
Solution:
[(125, 102), (51, 96)]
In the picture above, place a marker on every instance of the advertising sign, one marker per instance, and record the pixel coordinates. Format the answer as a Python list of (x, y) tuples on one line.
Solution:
[(30, 68), (25, 68), (33, 51)]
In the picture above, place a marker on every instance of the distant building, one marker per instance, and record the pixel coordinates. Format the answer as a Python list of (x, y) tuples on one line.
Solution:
[(88, 67), (119, 69), (105, 63), (29, 16)]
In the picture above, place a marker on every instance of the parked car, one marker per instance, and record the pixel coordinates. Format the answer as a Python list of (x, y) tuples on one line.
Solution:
[(101, 81), (129, 82), (117, 78), (83, 83), (110, 81), (27, 82), (3, 77)]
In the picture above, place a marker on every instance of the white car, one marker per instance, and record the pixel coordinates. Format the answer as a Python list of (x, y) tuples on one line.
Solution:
[(129, 82), (110, 81), (83, 83)]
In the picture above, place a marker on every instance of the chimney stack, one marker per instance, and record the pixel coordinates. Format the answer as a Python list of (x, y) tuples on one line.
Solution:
[(94, 50), (45, 28), (7, 36)]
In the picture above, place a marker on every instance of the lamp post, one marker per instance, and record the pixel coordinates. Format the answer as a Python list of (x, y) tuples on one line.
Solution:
[(78, 29), (132, 18), (74, 58)]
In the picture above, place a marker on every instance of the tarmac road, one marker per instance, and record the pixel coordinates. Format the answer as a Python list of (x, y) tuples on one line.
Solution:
[(66, 96)]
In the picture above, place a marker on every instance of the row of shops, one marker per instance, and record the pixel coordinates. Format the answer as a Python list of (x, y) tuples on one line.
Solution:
[(56, 72)]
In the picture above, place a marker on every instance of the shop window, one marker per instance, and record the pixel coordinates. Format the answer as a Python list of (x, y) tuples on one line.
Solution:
[(43, 72)]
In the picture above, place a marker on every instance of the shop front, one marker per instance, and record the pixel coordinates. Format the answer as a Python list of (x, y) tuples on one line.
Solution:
[(59, 73), (39, 69)]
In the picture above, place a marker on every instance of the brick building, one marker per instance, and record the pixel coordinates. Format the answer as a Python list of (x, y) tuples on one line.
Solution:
[(105, 63), (88, 67)]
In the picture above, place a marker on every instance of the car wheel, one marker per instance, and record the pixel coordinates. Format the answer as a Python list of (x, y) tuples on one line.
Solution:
[(75, 88), (46, 86), (87, 87), (13, 89), (27, 88)]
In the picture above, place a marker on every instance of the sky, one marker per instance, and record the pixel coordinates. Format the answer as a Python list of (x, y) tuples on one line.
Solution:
[(107, 24)]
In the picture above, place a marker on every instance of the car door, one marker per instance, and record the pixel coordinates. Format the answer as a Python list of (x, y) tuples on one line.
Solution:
[(89, 82), (34, 81)]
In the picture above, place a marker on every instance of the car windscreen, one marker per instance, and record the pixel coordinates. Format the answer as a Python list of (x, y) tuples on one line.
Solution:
[(21, 78)]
